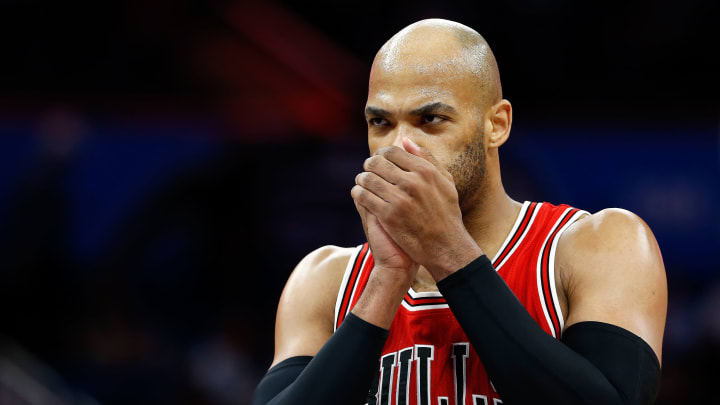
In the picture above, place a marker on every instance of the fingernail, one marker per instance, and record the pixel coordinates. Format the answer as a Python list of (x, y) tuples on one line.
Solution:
[(411, 141)]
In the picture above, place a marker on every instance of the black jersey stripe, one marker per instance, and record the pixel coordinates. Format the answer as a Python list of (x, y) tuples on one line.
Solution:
[(354, 275), (545, 275), (573, 216), (523, 228), (343, 285), (423, 304)]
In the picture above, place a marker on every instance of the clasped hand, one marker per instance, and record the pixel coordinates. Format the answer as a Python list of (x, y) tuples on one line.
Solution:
[(409, 207)]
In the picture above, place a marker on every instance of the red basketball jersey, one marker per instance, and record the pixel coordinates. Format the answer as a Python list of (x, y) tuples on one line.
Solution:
[(427, 358)]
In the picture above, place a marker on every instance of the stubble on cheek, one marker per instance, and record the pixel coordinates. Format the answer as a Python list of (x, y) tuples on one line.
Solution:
[(468, 170)]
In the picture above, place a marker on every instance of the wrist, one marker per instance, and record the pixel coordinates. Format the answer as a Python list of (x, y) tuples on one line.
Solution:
[(455, 259), (390, 282), (394, 276), (382, 296)]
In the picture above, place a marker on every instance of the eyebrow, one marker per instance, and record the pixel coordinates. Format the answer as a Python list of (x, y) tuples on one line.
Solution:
[(433, 108), (376, 112), (427, 109)]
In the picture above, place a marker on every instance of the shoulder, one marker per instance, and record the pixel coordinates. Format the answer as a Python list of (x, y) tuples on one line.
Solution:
[(609, 241), (612, 271), (322, 268), (316, 279), (305, 313), (612, 231)]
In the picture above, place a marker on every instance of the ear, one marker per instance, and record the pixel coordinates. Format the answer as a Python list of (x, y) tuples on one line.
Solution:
[(497, 125)]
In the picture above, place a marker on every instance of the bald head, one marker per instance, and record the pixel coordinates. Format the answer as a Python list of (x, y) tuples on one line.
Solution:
[(442, 49), (436, 83)]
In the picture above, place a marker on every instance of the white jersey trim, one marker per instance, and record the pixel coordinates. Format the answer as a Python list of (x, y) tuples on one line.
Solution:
[(420, 307), (423, 307), (343, 285), (514, 229), (428, 294), (357, 280), (551, 275), (551, 267), (538, 275), (520, 239)]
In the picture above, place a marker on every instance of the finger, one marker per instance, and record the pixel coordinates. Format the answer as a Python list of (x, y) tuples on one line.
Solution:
[(379, 186), (400, 158), (371, 202), (416, 150), (422, 162), (384, 168)]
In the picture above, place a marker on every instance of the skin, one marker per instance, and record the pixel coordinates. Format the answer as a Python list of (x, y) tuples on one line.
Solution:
[(431, 200)]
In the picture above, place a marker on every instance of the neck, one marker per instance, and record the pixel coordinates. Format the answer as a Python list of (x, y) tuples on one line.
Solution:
[(491, 217), (488, 220)]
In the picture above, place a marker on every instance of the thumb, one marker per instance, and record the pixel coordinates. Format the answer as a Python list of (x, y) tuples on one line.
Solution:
[(415, 149), (363, 216)]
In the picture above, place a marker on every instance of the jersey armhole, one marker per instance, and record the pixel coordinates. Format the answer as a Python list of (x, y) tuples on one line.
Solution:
[(344, 284), (551, 268)]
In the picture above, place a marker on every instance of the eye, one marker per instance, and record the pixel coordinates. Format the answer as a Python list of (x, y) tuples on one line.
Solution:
[(432, 119), (377, 122)]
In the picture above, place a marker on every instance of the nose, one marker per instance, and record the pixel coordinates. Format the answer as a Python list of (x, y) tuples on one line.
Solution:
[(398, 141), (401, 131)]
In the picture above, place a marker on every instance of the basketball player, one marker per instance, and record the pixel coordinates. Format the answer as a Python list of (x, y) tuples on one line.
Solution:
[(462, 295)]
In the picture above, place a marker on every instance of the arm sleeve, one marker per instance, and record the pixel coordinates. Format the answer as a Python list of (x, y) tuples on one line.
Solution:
[(340, 373), (526, 365)]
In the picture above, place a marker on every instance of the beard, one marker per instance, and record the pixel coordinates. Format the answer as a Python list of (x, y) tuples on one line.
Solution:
[(468, 170)]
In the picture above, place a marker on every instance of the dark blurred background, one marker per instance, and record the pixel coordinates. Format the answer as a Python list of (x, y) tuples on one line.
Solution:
[(164, 164)]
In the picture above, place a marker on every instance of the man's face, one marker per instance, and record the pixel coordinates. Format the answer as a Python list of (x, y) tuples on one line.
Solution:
[(436, 108)]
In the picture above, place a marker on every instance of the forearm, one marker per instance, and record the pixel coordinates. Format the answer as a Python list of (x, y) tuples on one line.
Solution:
[(523, 362), (382, 297), (340, 372)]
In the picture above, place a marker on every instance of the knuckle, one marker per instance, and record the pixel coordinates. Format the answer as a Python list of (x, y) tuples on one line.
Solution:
[(370, 180), (385, 151), (362, 178), (394, 150), (379, 164), (390, 217), (385, 166), (422, 170), (389, 153), (402, 204), (427, 170), (382, 161), (409, 187), (359, 193)]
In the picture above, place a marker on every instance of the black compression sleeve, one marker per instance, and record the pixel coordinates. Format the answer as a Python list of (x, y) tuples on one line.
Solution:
[(340, 373), (525, 364), (623, 357), (279, 377)]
